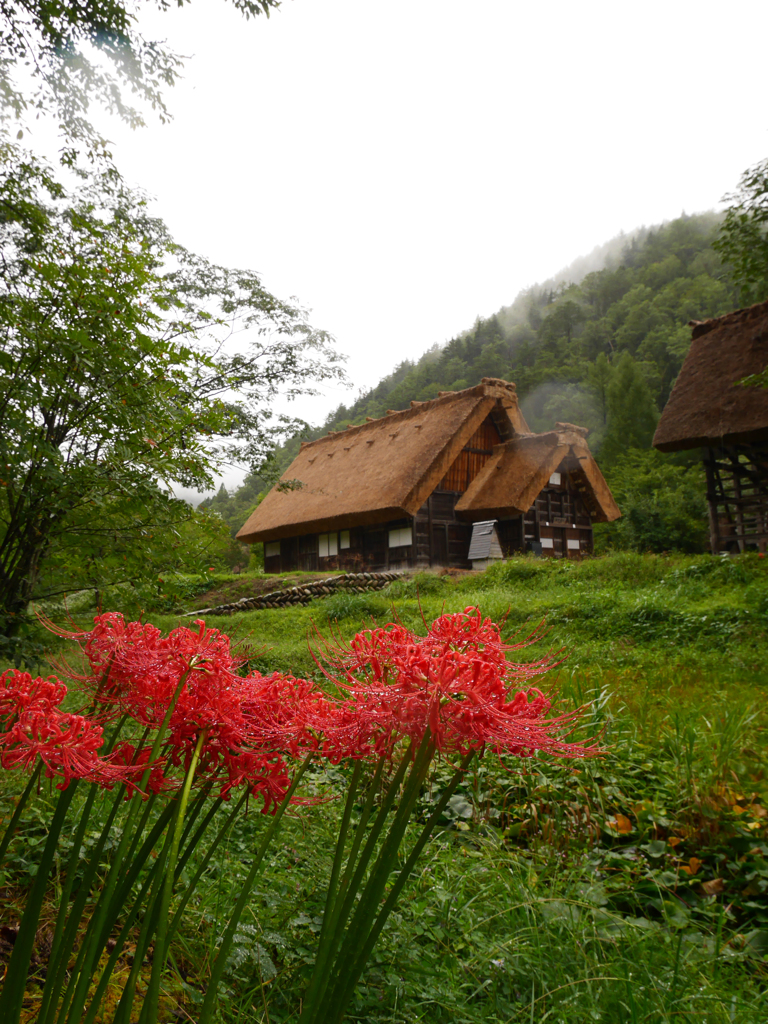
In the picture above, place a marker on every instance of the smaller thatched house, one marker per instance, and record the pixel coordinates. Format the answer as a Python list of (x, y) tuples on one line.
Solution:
[(404, 491), (710, 409)]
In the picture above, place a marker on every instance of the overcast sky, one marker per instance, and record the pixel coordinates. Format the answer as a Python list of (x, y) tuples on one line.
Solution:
[(404, 168)]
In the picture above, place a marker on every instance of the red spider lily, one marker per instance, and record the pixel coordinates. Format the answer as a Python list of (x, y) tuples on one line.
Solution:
[(247, 722), (20, 692), (265, 776), (137, 667), (145, 667), (456, 682), (135, 762), (67, 744)]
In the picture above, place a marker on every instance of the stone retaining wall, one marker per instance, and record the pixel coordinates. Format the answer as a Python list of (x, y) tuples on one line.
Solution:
[(356, 582)]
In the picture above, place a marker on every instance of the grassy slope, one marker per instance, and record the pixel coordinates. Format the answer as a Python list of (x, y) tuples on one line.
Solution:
[(633, 889), (565, 896)]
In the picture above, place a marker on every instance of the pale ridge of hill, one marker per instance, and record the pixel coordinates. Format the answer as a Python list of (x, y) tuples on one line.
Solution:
[(606, 255)]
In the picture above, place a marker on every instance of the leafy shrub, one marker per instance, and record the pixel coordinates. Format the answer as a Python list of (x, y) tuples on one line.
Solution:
[(662, 503)]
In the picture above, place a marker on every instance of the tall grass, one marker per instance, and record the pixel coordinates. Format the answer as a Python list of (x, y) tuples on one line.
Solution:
[(631, 889)]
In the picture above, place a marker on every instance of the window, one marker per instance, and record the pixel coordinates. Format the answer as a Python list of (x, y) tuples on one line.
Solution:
[(344, 539), (547, 542), (401, 537), (573, 545), (328, 544), (555, 479), (271, 549)]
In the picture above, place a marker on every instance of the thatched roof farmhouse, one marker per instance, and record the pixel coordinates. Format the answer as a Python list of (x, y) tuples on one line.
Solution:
[(710, 409), (404, 490)]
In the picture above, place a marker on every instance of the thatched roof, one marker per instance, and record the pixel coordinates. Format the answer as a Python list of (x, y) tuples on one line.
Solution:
[(707, 407), (520, 469), (381, 470)]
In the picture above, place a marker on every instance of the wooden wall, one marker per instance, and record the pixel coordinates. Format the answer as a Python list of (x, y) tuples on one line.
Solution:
[(441, 540), (558, 521), (737, 495), (471, 458), (560, 516), (368, 551)]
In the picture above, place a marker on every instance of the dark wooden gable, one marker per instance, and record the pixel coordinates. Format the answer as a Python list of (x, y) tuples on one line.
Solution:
[(472, 457)]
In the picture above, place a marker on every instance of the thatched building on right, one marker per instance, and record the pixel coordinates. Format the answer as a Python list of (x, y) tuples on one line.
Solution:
[(710, 409)]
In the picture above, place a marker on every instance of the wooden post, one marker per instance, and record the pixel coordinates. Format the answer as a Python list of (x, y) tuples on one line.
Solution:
[(714, 524), (431, 541), (740, 531)]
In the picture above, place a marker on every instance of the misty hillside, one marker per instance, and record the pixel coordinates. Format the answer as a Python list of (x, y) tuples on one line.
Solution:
[(600, 344), (547, 340)]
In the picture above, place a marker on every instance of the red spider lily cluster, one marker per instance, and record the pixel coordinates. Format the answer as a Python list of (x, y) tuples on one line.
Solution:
[(34, 726), (187, 682), (456, 682), (168, 712)]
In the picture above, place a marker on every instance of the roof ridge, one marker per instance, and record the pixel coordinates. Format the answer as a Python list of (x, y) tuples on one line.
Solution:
[(486, 388), (701, 327)]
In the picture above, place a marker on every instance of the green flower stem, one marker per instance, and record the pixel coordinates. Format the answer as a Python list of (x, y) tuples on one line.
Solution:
[(120, 942), (355, 871), (152, 1001), (341, 843), (323, 943), (359, 886), (12, 997), (190, 889), (354, 879), (373, 890), (122, 895), (148, 925), (211, 996), (138, 902), (360, 830), (102, 922), (194, 811), (68, 919), (341, 998), (152, 917), (19, 810)]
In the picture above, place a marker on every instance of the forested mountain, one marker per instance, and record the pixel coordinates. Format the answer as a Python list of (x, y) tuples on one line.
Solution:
[(551, 339), (597, 347)]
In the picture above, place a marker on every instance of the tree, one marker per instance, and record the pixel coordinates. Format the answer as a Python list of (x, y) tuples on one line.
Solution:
[(632, 413), (743, 240), (117, 380), (599, 376), (662, 502), (82, 51), (561, 323)]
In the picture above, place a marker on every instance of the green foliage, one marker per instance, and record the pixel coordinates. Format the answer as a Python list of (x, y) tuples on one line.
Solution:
[(234, 509), (54, 42), (662, 503), (631, 412), (743, 241), (116, 385), (587, 895)]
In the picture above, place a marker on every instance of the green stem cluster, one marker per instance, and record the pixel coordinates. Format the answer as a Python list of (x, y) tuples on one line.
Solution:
[(357, 908), (129, 896)]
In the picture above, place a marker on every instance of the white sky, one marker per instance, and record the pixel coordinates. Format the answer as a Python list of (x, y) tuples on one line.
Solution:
[(403, 168)]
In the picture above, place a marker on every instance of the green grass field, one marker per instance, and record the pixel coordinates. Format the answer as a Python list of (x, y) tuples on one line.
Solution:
[(632, 888)]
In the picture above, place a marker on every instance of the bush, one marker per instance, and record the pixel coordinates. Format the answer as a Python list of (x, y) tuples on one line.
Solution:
[(663, 505)]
